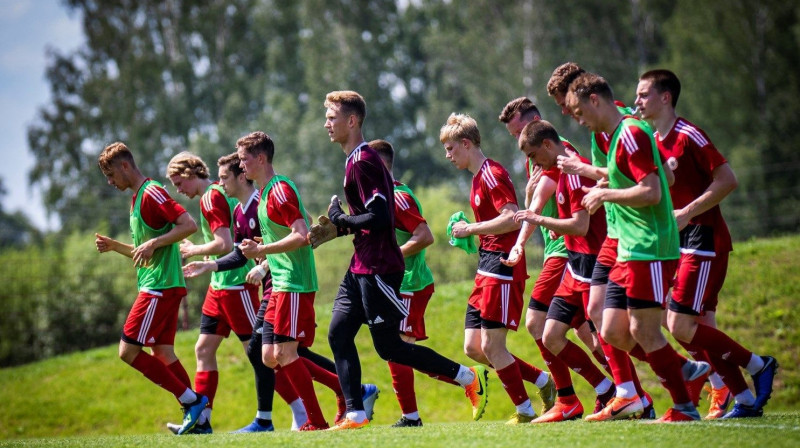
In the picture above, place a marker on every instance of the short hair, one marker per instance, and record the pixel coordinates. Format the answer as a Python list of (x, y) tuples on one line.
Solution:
[(113, 153), (536, 132), (460, 126), (350, 103), (523, 105), (664, 81), (186, 164), (232, 162), (257, 142), (562, 77), (589, 83), (384, 150)]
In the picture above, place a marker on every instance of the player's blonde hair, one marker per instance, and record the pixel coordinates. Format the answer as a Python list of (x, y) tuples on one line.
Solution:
[(186, 165), (349, 102), (460, 126), (112, 154)]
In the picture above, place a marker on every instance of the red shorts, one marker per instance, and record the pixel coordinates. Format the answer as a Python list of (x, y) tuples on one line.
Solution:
[(153, 319), (292, 315), (549, 279), (416, 302), (233, 309), (699, 280), (498, 301), (608, 252), (573, 290), (647, 281)]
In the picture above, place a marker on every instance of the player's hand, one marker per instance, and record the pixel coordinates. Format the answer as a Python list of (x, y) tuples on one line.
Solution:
[(593, 199), (143, 253), (516, 254), (321, 233), (335, 209), (187, 249), (460, 230), (198, 268), (536, 175), (250, 248), (103, 243), (570, 164), (602, 183), (256, 275), (553, 235), (682, 219), (528, 216)]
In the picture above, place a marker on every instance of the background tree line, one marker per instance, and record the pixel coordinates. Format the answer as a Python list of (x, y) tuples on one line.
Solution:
[(172, 75)]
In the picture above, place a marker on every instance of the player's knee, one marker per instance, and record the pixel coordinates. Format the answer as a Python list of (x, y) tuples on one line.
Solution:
[(473, 351), (554, 342), (269, 360)]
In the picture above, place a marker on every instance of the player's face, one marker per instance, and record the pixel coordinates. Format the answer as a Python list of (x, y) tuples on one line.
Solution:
[(336, 124), (561, 101), (516, 124), (457, 153), (583, 111), (247, 162), (187, 186), (648, 100), (228, 181), (115, 177), (538, 155)]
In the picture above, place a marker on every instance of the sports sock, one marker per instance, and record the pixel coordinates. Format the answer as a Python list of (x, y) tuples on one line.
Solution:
[(205, 416), (357, 416), (188, 396), (717, 342), (464, 377), (579, 361), (558, 369), (298, 375), (155, 371), (619, 361), (600, 357), (322, 376), (264, 415), (403, 384), (626, 390), (412, 416), (512, 382), (529, 372), (716, 381), (525, 408), (299, 415), (284, 387), (666, 365), (729, 373), (754, 365), (206, 384), (745, 397), (638, 352), (180, 373)]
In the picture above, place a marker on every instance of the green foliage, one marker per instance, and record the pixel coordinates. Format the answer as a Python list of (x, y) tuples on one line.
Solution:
[(89, 393)]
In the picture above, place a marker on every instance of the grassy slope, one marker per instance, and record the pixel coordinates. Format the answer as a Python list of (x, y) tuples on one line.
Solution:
[(93, 393)]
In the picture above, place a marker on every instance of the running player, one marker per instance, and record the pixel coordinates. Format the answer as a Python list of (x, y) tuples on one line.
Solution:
[(230, 303), (703, 179), (495, 305), (370, 290), (648, 250), (158, 223), (584, 234)]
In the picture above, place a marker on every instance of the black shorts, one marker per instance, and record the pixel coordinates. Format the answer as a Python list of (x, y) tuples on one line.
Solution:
[(616, 297), (372, 298), (473, 320), (536, 305), (208, 325), (564, 312), (681, 309), (600, 274), (268, 336)]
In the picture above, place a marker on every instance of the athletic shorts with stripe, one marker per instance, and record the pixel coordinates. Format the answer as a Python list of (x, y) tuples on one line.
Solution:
[(698, 282), (498, 301), (233, 309), (292, 316), (153, 318), (416, 302), (646, 283), (547, 283), (606, 259), (372, 298)]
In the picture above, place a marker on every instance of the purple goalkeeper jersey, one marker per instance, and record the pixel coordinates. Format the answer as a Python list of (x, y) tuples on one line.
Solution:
[(365, 179), (245, 218)]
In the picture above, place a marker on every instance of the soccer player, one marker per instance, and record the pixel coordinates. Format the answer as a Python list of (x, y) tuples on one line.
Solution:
[(540, 199), (370, 290), (703, 179), (584, 235), (230, 303), (495, 304), (158, 223), (647, 253)]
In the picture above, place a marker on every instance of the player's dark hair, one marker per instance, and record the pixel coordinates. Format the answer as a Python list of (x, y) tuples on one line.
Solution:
[(113, 153), (664, 80), (522, 105), (257, 143), (587, 84), (562, 77), (536, 132), (232, 162), (384, 150)]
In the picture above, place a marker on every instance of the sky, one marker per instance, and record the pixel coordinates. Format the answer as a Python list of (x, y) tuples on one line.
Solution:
[(27, 29)]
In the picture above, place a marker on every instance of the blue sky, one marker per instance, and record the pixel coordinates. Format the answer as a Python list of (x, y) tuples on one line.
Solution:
[(27, 28)]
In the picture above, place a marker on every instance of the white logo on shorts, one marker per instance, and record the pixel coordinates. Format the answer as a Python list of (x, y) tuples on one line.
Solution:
[(377, 320)]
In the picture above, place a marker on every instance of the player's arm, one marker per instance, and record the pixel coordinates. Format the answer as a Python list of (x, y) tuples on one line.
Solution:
[(296, 239), (500, 224), (106, 244), (577, 224), (532, 184), (183, 228), (376, 217), (645, 193), (668, 174), (572, 164), (723, 183), (220, 245), (421, 238)]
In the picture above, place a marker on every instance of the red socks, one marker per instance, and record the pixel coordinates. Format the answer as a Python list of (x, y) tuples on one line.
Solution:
[(403, 384), (206, 384), (155, 371), (512, 381)]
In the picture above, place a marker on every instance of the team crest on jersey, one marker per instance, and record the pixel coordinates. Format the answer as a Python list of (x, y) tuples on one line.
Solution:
[(672, 163), (477, 201), (252, 223), (560, 197)]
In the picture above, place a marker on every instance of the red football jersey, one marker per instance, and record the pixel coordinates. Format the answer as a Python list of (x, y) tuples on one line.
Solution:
[(216, 210), (569, 195), (283, 207), (157, 207), (406, 213), (492, 189)]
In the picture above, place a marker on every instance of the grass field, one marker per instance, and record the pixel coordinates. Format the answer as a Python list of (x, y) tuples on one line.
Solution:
[(93, 399)]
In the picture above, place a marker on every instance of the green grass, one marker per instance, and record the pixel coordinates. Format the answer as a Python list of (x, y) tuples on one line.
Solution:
[(91, 398)]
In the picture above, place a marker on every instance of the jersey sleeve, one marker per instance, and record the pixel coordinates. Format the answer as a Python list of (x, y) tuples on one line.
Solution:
[(407, 216), (576, 193), (706, 155), (283, 207), (499, 187), (369, 182), (158, 208), (216, 210), (635, 154)]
